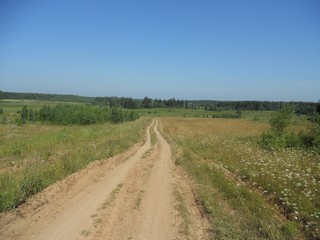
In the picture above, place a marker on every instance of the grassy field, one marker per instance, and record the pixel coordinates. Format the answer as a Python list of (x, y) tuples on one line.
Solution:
[(33, 156), (255, 193)]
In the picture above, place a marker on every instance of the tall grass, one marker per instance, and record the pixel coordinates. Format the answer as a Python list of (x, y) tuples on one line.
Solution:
[(218, 153), (35, 156)]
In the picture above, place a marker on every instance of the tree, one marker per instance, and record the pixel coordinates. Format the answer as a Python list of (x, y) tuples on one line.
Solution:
[(24, 114), (31, 115), (318, 107), (146, 102), (132, 116), (116, 115), (46, 114), (129, 103), (157, 103), (281, 119)]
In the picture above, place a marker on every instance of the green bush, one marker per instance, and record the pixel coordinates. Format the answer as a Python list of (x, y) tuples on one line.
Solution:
[(292, 140), (276, 137), (132, 116), (281, 119), (116, 115), (271, 140), (67, 114)]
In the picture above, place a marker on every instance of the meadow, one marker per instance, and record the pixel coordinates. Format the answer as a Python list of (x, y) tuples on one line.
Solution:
[(258, 193)]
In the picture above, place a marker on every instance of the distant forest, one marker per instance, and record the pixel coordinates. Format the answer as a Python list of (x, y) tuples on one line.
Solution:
[(130, 103), (46, 97)]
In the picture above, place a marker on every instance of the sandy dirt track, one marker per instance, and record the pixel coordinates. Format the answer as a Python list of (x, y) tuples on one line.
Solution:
[(130, 196)]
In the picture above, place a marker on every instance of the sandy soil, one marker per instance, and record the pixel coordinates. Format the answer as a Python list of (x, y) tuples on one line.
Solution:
[(129, 196)]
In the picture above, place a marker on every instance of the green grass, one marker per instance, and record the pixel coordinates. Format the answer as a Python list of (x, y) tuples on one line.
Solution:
[(35, 156), (217, 153)]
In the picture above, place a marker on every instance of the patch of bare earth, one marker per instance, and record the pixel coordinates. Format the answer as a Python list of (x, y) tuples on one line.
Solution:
[(130, 196)]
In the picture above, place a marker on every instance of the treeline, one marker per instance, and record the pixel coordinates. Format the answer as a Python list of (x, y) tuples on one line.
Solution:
[(131, 103), (146, 102), (46, 97), (209, 105), (111, 102), (65, 114), (300, 107)]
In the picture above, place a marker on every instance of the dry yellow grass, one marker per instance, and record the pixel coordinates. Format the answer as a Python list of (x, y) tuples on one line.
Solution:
[(207, 126)]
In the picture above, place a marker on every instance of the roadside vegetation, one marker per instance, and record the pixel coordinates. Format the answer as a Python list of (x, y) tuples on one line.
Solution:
[(255, 192), (33, 156)]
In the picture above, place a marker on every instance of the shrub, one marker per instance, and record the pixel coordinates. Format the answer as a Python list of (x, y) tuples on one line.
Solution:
[(24, 115), (271, 140), (276, 137), (116, 115), (292, 139), (281, 119), (132, 116), (67, 114)]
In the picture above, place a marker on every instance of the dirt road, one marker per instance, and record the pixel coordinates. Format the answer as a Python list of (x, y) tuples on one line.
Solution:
[(130, 196)]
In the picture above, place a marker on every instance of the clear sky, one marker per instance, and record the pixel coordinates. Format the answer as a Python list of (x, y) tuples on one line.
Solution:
[(223, 50)]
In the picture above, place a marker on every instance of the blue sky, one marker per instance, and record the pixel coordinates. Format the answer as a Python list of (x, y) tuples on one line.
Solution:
[(224, 50)]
